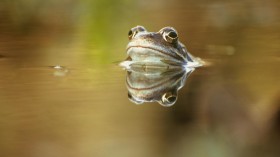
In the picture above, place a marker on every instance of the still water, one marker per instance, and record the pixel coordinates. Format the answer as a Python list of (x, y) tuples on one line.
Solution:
[(62, 92)]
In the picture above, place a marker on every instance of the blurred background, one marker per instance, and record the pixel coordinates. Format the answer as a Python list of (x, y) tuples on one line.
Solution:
[(63, 95)]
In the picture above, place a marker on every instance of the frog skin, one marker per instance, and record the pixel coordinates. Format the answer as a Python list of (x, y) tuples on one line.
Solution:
[(157, 48)]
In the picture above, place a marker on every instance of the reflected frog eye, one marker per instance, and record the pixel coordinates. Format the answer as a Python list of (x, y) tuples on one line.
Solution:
[(133, 31), (169, 34), (168, 99)]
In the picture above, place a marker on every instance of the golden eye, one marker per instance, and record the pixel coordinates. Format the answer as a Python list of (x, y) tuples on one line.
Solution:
[(169, 34), (133, 31), (173, 35)]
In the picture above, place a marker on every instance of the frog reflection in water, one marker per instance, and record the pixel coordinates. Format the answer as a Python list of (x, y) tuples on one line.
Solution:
[(154, 85), (160, 48), (157, 65)]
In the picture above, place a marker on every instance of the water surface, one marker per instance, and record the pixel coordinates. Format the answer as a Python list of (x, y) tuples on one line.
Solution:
[(229, 108)]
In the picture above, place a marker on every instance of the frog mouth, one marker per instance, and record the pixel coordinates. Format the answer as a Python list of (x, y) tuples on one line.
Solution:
[(168, 54)]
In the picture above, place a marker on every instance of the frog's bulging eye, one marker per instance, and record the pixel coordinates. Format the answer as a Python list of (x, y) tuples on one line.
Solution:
[(130, 33), (172, 35), (134, 31), (169, 34)]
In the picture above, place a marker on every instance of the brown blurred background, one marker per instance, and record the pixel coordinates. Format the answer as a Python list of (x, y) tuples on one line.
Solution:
[(230, 108)]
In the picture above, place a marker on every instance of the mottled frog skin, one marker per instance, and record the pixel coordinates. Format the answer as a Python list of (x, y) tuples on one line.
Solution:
[(157, 48)]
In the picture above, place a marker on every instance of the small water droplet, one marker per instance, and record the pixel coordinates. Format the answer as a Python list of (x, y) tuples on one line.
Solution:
[(60, 71)]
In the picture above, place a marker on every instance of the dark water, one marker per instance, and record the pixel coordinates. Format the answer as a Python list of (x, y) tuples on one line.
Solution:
[(229, 108)]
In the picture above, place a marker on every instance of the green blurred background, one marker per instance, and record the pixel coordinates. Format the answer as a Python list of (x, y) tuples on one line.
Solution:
[(230, 108)]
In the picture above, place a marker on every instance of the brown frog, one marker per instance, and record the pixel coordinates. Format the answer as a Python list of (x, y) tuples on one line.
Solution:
[(158, 48)]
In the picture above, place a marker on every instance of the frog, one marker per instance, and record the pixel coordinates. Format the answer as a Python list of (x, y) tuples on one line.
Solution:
[(158, 48)]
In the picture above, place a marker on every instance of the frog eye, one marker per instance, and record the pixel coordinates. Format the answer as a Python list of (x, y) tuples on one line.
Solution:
[(133, 31), (168, 99), (169, 34)]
